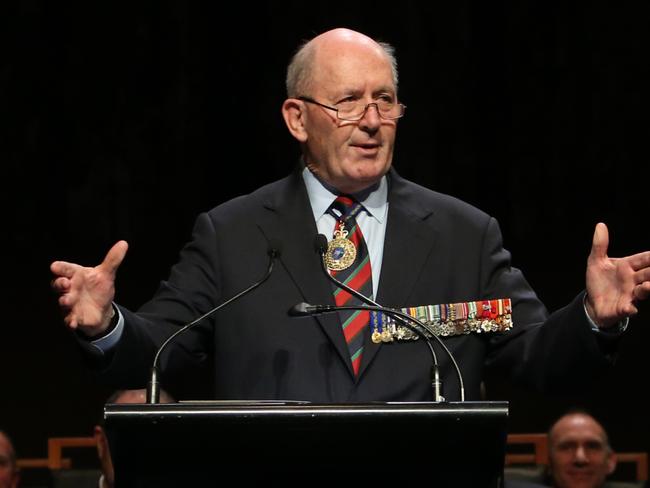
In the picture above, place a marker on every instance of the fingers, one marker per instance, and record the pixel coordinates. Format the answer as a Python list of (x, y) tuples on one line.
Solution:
[(600, 242), (630, 310), (71, 321), (642, 276), (642, 291), (111, 262), (67, 301), (61, 285), (639, 261), (63, 268), (85, 293), (114, 257)]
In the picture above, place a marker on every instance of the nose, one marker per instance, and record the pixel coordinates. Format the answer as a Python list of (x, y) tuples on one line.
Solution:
[(371, 121), (581, 456)]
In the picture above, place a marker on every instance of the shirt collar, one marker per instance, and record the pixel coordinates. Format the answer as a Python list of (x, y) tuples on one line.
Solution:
[(322, 195)]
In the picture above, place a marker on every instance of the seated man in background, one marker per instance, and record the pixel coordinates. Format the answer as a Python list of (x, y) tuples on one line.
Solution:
[(9, 474), (580, 454)]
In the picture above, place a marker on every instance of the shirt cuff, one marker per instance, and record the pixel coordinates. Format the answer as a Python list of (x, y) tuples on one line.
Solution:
[(612, 331), (106, 343)]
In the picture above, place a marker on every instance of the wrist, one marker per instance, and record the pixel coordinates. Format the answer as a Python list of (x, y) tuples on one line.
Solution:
[(108, 325), (615, 328)]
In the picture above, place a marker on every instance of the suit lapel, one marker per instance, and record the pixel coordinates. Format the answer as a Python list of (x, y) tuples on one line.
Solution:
[(409, 240), (291, 223)]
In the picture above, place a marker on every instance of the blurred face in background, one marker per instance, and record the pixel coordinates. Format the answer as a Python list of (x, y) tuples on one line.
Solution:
[(8, 471), (580, 455)]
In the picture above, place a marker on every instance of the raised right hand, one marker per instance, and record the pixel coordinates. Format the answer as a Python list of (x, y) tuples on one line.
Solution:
[(86, 294)]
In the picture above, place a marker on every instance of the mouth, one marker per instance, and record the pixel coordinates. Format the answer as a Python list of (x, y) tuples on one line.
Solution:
[(581, 475), (368, 148)]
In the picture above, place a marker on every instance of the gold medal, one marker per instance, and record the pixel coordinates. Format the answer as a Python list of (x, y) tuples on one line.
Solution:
[(340, 251), (376, 336), (386, 336)]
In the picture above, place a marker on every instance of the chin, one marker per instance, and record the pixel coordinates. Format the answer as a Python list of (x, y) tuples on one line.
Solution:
[(360, 182), (369, 170)]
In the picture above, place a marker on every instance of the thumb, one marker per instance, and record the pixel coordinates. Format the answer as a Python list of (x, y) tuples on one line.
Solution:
[(600, 242), (114, 257)]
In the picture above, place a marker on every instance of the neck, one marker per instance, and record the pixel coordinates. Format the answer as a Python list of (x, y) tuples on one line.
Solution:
[(359, 195)]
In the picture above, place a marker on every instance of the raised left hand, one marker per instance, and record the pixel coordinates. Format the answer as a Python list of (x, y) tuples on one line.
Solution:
[(614, 285)]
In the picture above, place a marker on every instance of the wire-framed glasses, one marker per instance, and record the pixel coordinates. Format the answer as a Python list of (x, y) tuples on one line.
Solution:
[(355, 109)]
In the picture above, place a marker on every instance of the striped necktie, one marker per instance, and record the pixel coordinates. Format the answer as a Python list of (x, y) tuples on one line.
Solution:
[(357, 276)]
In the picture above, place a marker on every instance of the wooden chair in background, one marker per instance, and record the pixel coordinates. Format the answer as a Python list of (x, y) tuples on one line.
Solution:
[(526, 457), (640, 459), (538, 443), (55, 459), (55, 446)]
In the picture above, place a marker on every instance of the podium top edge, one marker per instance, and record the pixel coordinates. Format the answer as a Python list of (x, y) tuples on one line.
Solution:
[(290, 408)]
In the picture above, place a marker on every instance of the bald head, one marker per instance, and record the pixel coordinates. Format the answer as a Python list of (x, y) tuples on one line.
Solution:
[(311, 57), (578, 421)]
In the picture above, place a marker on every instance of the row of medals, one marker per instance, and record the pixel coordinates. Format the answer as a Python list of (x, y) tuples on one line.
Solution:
[(341, 253)]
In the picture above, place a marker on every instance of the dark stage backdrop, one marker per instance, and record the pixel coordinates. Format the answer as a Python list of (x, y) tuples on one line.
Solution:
[(124, 120)]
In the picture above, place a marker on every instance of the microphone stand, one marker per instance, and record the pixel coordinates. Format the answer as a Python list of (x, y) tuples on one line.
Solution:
[(153, 387), (320, 245), (304, 309)]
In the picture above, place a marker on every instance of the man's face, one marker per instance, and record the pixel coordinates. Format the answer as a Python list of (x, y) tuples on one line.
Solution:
[(8, 472), (350, 156), (579, 453)]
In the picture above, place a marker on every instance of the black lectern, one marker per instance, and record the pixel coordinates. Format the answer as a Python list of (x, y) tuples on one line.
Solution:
[(295, 443)]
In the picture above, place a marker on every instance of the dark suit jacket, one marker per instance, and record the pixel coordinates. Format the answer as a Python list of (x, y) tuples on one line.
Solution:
[(437, 250)]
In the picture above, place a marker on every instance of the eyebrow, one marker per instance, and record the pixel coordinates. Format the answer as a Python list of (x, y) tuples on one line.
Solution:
[(349, 90)]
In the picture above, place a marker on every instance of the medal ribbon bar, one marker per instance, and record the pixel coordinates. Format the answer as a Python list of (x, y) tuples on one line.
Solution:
[(448, 319)]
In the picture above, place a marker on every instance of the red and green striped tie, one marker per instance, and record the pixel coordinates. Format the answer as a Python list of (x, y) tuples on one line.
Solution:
[(358, 276)]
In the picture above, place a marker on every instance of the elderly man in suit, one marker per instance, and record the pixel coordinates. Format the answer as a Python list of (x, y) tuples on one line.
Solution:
[(393, 240)]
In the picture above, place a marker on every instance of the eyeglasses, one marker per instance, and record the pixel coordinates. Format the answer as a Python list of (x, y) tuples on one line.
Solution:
[(355, 110)]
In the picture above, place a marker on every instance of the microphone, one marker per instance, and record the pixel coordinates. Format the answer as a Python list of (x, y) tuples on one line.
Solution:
[(320, 244), (153, 387), (304, 309)]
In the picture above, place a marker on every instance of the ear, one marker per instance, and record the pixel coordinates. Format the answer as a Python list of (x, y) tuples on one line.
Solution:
[(611, 462), (294, 114)]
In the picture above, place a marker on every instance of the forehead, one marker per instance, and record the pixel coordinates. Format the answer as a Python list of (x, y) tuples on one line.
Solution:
[(358, 67), (578, 427)]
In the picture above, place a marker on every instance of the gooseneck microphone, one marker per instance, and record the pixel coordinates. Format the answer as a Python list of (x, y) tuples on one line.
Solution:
[(320, 244), (305, 309), (153, 387)]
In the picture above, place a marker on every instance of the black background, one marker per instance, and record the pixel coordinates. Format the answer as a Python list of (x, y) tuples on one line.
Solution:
[(123, 120)]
